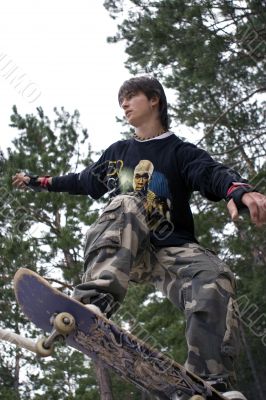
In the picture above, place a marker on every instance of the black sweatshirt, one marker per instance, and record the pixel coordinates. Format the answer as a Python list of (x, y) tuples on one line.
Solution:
[(165, 172)]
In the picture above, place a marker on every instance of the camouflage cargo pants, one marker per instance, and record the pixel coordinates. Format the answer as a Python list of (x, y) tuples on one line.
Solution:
[(194, 279)]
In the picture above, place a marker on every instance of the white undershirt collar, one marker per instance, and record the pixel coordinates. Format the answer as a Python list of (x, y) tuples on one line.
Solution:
[(163, 136)]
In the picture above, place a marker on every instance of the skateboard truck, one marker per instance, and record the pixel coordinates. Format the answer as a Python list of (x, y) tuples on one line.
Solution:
[(63, 324)]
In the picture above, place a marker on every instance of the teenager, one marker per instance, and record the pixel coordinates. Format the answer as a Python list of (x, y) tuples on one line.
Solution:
[(146, 232)]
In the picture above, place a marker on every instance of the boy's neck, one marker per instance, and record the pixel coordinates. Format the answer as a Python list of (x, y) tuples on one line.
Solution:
[(149, 130)]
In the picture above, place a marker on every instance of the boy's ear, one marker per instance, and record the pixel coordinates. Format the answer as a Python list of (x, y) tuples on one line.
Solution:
[(155, 100)]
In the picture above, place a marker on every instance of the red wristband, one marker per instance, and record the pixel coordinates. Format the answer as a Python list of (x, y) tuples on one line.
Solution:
[(237, 185), (44, 181)]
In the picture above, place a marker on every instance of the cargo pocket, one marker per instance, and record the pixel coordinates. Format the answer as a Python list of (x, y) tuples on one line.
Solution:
[(221, 267), (107, 230)]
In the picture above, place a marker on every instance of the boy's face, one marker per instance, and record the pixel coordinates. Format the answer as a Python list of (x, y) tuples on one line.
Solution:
[(138, 108)]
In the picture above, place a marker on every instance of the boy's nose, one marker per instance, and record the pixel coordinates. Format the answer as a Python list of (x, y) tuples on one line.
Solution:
[(124, 104)]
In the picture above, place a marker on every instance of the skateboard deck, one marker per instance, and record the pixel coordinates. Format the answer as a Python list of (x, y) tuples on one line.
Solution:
[(100, 338)]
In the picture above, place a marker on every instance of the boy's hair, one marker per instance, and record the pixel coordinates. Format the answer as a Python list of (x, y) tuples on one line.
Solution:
[(151, 87)]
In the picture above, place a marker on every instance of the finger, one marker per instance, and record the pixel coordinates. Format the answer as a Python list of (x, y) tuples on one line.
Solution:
[(252, 206), (248, 201), (20, 180), (15, 177), (256, 203), (233, 211), (19, 184), (16, 180)]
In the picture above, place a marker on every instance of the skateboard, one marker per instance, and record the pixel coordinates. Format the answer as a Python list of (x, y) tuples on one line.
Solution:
[(100, 338)]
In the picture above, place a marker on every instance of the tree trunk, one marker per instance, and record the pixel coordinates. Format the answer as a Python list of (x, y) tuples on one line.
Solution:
[(104, 381)]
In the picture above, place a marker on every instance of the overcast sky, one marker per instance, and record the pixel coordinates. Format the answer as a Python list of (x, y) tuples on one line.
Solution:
[(59, 49)]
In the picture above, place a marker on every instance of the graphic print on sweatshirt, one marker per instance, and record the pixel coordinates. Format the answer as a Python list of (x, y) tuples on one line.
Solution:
[(149, 183)]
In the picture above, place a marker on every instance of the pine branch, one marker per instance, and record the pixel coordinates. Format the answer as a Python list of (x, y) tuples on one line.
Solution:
[(263, 89), (242, 144)]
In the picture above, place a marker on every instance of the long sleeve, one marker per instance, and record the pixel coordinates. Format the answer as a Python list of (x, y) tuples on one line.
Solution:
[(91, 181), (202, 173)]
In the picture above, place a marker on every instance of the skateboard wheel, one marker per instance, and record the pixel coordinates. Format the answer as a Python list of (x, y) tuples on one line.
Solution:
[(197, 397), (41, 350), (64, 323)]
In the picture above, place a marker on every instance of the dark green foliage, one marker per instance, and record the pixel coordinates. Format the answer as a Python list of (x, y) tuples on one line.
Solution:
[(41, 150), (43, 232), (65, 376)]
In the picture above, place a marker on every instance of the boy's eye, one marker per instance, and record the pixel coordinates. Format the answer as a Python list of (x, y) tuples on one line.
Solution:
[(129, 95)]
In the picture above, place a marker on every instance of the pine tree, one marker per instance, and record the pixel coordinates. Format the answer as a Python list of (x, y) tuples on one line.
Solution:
[(43, 232)]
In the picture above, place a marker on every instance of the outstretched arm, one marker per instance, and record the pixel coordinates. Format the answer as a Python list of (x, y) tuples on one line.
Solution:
[(89, 181), (216, 181)]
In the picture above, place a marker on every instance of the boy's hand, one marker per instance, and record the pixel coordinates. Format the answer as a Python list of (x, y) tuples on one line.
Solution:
[(20, 180), (256, 204)]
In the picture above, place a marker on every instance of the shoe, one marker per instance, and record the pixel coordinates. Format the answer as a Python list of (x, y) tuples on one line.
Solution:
[(102, 304), (94, 309), (234, 395)]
